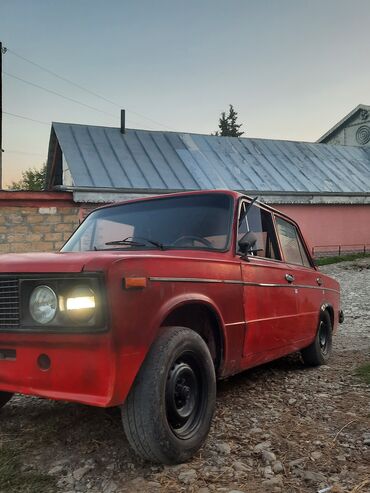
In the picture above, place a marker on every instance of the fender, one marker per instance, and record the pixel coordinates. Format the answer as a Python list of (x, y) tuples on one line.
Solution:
[(129, 364), (186, 299)]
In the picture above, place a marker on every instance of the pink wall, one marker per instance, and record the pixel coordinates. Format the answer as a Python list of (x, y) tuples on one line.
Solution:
[(326, 224)]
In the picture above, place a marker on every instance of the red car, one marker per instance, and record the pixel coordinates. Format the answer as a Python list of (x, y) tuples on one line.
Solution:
[(150, 301)]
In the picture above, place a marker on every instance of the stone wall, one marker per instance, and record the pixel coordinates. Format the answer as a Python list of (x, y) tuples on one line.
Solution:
[(36, 221)]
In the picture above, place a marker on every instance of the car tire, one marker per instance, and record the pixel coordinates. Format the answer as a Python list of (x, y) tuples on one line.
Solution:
[(318, 353), (168, 412), (4, 398)]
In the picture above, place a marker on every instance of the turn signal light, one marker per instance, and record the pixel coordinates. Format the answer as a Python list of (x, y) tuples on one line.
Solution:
[(135, 282)]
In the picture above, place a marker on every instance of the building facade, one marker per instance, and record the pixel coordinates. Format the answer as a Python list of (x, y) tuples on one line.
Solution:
[(352, 130)]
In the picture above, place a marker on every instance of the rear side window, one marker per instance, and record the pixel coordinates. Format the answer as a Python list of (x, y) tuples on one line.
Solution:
[(260, 223), (291, 243)]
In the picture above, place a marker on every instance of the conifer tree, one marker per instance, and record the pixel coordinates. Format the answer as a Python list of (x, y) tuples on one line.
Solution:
[(228, 124)]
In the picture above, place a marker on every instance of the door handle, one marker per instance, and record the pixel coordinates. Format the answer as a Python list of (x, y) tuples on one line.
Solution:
[(289, 277)]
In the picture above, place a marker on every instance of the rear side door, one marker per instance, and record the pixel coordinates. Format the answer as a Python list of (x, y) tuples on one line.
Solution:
[(270, 298), (309, 284)]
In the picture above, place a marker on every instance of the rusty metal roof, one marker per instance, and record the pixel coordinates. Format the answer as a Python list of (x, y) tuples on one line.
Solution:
[(103, 157)]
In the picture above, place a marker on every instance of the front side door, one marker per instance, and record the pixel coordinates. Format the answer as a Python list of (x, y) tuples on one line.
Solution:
[(270, 298)]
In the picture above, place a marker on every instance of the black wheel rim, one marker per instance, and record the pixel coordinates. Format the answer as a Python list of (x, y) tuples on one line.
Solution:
[(323, 338), (185, 396)]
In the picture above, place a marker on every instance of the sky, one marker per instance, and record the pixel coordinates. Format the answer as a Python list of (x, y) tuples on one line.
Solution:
[(291, 68)]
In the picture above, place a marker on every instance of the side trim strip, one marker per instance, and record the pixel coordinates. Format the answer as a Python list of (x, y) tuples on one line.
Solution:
[(190, 279), (243, 283)]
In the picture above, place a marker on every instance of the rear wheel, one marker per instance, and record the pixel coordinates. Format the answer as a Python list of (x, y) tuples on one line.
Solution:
[(168, 412), (4, 398), (318, 353)]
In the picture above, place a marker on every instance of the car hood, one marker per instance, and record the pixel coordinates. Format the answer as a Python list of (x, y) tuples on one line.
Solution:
[(83, 261), (57, 262)]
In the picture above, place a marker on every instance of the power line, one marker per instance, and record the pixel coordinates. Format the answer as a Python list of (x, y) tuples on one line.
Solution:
[(85, 89), (57, 94), (26, 118), (61, 95), (39, 121), (61, 77)]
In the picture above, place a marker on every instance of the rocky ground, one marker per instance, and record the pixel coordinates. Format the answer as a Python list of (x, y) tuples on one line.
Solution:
[(279, 428)]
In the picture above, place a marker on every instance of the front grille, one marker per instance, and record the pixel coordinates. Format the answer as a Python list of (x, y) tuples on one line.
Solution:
[(9, 303)]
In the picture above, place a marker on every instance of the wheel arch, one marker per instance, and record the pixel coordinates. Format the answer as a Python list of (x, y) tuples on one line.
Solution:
[(202, 316), (327, 307)]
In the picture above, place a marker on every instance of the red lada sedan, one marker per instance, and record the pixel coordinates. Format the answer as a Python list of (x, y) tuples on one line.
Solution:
[(150, 301)]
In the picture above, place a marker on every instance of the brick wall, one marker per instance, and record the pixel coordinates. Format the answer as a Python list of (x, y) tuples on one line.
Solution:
[(36, 221)]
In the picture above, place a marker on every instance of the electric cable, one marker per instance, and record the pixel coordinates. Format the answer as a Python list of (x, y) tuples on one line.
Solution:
[(103, 98), (26, 118), (57, 94)]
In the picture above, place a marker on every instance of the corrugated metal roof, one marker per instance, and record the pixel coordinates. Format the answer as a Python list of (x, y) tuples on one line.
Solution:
[(102, 157)]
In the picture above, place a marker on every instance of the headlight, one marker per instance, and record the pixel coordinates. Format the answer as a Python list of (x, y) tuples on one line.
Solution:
[(63, 303), (80, 304), (43, 304)]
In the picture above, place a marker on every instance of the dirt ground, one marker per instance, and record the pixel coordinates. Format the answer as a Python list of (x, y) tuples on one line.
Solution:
[(279, 428)]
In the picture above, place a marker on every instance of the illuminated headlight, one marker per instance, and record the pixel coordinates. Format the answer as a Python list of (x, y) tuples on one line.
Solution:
[(80, 304), (43, 304)]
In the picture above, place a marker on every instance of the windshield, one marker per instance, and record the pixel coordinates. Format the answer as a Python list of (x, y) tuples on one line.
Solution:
[(182, 222)]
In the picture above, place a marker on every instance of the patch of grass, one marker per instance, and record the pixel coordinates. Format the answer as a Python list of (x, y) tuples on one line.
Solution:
[(340, 258), (363, 371), (13, 479)]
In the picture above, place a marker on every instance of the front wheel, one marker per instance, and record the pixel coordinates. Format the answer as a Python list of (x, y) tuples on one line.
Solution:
[(168, 412), (318, 353), (4, 398)]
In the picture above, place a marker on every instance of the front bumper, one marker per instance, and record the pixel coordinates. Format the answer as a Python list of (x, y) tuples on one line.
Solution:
[(80, 369)]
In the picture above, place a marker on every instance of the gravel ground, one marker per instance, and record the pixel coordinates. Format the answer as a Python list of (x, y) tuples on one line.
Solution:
[(279, 428)]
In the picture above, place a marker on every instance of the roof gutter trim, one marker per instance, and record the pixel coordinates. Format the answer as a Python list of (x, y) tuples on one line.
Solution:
[(151, 191)]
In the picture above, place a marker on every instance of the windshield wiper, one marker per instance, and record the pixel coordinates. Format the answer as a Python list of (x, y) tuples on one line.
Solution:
[(130, 240)]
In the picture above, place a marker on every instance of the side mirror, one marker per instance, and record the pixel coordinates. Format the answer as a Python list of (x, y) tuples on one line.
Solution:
[(247, 242)]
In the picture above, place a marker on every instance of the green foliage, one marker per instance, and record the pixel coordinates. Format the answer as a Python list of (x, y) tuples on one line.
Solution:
[(363, 371), (341, 258), (228, 124), (32, 179)]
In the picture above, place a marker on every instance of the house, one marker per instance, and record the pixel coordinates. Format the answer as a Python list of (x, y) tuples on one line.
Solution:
[(352, 130), (325, 187)]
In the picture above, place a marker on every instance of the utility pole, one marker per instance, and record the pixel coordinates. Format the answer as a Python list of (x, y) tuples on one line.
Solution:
[(1, 115), (2, 51)]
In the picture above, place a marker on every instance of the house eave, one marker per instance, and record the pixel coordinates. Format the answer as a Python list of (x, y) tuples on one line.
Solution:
[(105, 195)]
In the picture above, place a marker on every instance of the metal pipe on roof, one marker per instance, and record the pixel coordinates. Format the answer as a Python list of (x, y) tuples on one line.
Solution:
[(123, 121)]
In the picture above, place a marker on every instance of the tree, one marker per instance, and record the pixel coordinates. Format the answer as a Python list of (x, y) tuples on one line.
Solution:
[(32, 179), (227, 124)]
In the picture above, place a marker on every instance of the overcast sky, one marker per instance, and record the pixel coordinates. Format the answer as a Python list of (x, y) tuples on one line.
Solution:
[(291, 68)]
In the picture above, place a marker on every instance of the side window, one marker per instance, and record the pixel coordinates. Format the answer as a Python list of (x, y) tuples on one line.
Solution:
[(291, 244), (259, 223)]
